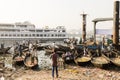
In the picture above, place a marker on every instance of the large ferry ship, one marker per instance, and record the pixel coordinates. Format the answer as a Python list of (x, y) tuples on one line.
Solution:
[(26, 30)]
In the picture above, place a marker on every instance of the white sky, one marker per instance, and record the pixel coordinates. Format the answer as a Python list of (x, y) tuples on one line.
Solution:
[(54, 13)]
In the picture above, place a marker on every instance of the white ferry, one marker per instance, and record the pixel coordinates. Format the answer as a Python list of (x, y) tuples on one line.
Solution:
[(26, 30)]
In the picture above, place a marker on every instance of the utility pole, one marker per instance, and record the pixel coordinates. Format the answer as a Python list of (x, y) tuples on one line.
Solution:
[(116, 23), (84, 27)]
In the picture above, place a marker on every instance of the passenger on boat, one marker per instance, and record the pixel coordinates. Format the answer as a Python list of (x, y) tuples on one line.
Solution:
[(2, 45), (53, 45), (68, 53), (103, 42), (63, 57), (30, 47), (24, 42), (33, 54), (85, 51), (110, 41), (20, 50)]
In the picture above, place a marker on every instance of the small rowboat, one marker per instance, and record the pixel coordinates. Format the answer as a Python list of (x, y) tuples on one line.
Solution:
[(82, 60), (17, 58), (116, 61), (114, 58), (100, 61), (30, 61), (69, 59)]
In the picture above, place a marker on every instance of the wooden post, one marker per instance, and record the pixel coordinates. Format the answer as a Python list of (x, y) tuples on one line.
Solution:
[(116, 23), (84, 27), (95, 32)]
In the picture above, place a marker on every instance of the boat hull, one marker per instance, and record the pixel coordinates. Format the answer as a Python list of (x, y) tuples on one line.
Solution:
[(100, 62), (82, 60), (115, 61), (30, 61)]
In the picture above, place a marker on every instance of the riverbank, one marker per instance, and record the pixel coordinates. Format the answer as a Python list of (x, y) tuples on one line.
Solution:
[(72, 72)]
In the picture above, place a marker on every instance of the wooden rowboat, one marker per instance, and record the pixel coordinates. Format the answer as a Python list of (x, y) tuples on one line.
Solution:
[(82, 60), (30, 61), (114, 58), (116, 61), (100, 61), (17, 58), (69, 59), (83, 57)]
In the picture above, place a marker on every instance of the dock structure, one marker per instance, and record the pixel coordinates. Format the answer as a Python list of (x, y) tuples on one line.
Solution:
[(100, 20), (115, 23)]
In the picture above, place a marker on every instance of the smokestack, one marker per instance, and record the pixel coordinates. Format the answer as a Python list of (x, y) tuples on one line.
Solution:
[(116, 23)]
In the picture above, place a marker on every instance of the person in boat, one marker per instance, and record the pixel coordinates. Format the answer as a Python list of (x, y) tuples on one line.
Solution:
[(103, 42), (2, 47), (54, 58), (20, 50), (24, 42), (63, 57), (53, 45), (30, 47), (85, 51), (33, 54), (110, 41), (68, 53)]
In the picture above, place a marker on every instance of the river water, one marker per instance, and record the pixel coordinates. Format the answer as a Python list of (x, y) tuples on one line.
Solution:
[(44, 61)]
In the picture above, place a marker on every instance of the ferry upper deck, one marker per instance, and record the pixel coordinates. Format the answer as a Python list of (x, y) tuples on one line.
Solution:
[(27, 30)]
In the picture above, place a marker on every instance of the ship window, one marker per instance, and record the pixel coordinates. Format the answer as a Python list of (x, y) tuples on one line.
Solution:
[(48, 35), (39, 30), (18, 30), (55, 30), (37, 35), (32, 30), (59, 35), (63, 35), (41, 35), (45, 35), (26, 34), (18, 34), (2, 34), (46, 30), (21, 34), (6, 34), (14, 34), (29, 34), (55, 34), (10, 35), (52, 35), (33, 34), (63, 30)]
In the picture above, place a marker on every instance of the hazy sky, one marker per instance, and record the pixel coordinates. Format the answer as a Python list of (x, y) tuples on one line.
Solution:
[(54, 13)]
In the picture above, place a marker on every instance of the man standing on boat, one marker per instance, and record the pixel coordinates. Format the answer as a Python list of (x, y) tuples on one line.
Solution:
[(30, 47), (54, 58)]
